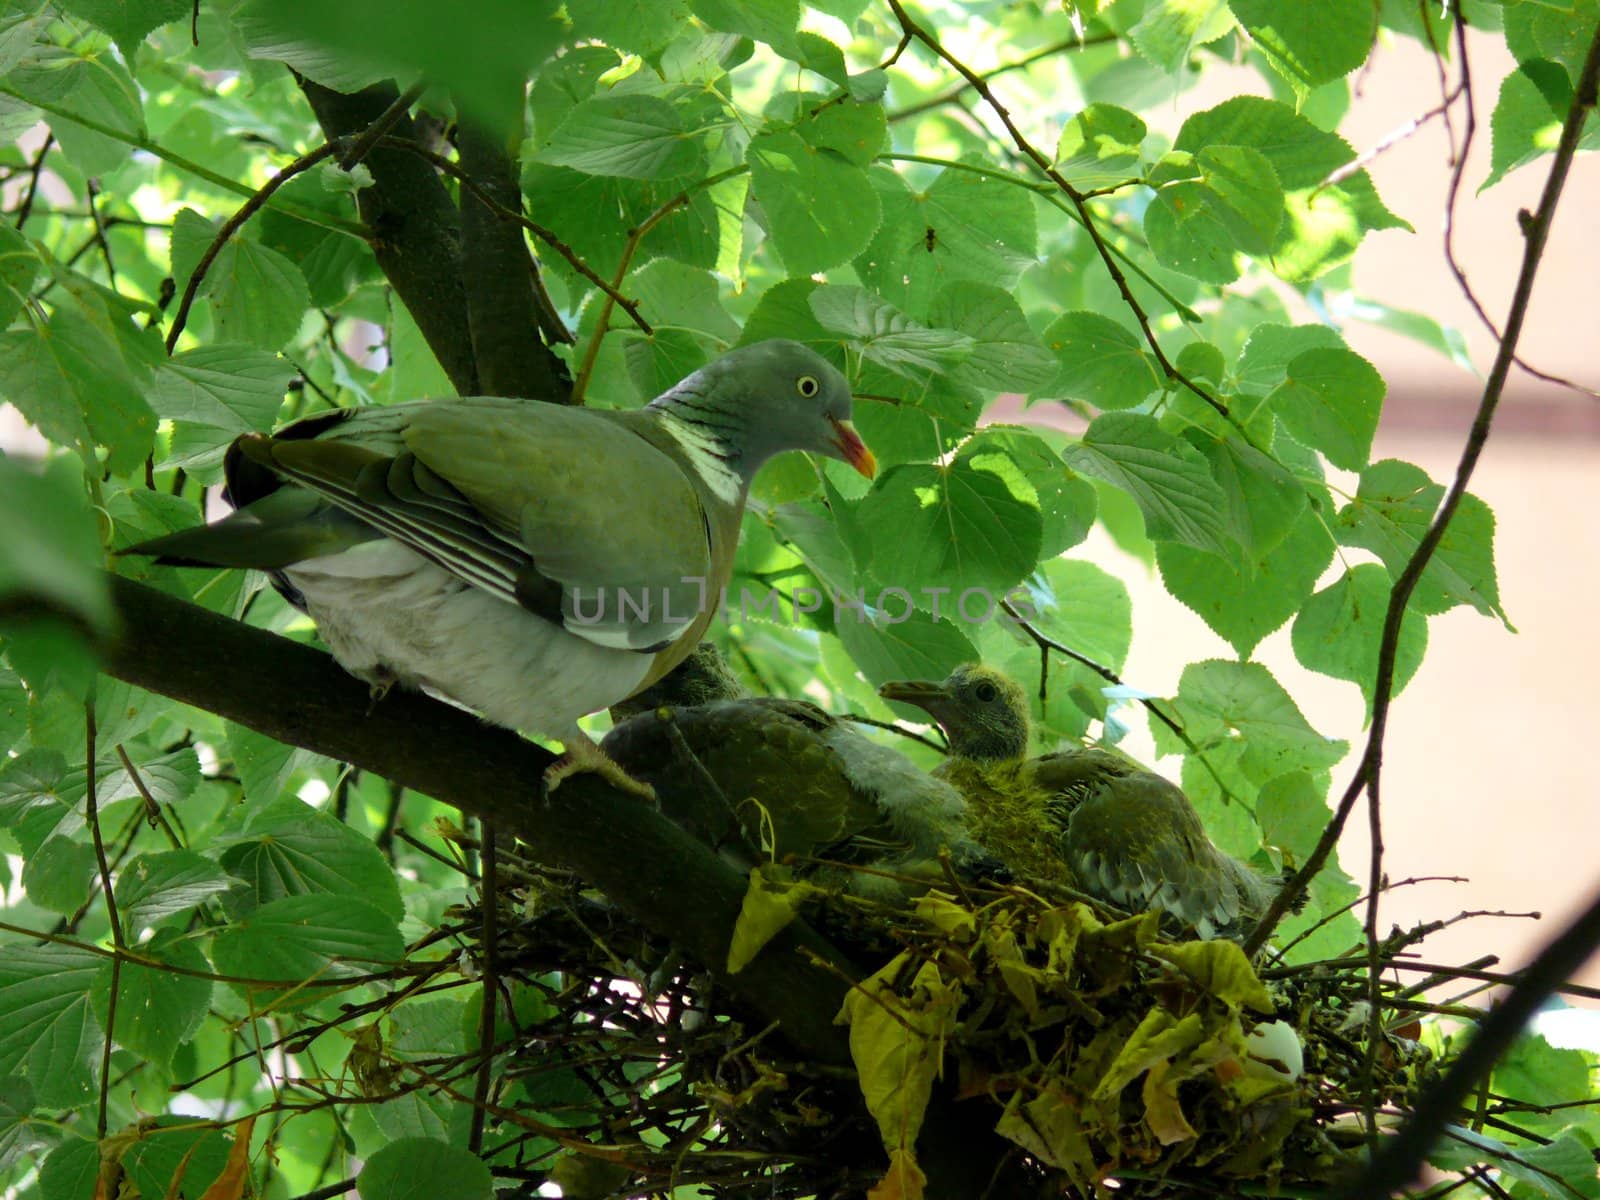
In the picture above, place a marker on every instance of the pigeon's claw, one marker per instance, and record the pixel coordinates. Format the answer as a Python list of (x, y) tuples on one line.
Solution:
[(583, 756)]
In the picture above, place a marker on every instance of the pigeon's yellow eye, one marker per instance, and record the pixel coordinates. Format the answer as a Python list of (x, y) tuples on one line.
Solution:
[(807, 386), (986, 692)]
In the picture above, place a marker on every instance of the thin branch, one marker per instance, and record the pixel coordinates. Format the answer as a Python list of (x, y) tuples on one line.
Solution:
[(945, 97), (1045, 167), (34, 172), (635, 236), (92, 817), (1456, 176), (1045, 643), (489, 945), (547, 236), (232, 225), (387, 119), (1536, 231)]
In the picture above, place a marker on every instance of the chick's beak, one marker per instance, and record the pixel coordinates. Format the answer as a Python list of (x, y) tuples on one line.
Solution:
[(932, 698), (852, 449)]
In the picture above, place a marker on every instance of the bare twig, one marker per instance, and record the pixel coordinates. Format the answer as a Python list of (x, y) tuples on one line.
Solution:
[(489, 934), (34, 172), (1456, 176), (945, 97), (92, 817)]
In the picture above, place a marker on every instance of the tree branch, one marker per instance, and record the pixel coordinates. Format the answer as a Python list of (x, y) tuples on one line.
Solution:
[(1536, 231), (497, 273), (415, 231), (651, 869)]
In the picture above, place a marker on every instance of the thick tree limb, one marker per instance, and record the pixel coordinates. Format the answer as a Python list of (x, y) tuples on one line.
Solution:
[(497, 274), (654, 871), (415, 228)]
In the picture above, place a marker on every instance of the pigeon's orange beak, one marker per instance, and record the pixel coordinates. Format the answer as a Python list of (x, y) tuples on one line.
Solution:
[(853, 449)]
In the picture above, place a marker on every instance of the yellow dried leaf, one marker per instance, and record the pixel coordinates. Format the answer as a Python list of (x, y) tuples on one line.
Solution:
[(945, 915), (1159, 1038), (235, 1176), (1221, 968), (897, 1044), (1050, 1127), (903, 1180), (770, 902), (1162, 1112)]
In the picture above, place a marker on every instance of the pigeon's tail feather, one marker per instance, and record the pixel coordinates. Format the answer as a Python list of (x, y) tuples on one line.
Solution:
[(287, 526)]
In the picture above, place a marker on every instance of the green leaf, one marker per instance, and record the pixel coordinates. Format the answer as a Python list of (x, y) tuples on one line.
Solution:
[(483, 63), (257, 295), (16, 1107), (313, 936), (1264, 499), (70, 1170), (424, 1169), (1102, 362), (849, 128), (1324, 222), (965, 226), (1066, 503), (158, 1009), (954, 528), (19, 266), (152, 887), (680, 295), (51, 558), (47, 1031), (1100, 146), (1263, 364), (1528, 116), (58, 875), (1331, 401), (769, 21), (71, 380), (1293, 812), (1338, 631), (1171, 29), (637, 136), (98, 89), (215, 393), (1235, 206), (886, 336), (185, 1149), (1244, 598), (1241, 710), (1082, 606), (895, 641), (821, 209), (1006, 354), (1558, 32), (1540, 1075), (290, 849), (1310, 42), (129, 21), (641, 27), (1168, 478), (1394, 505)]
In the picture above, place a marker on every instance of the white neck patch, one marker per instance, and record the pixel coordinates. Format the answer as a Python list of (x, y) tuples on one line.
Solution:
[(704, 451)]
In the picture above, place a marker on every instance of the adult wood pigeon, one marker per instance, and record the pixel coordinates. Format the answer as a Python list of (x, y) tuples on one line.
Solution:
[(799, 781), (529, 561), (1116, 831)]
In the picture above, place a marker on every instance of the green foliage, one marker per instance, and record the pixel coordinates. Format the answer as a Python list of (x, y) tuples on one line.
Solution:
[(739, 171)]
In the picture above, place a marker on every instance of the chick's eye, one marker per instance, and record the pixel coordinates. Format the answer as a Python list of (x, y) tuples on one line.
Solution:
[(807, 386), (986, 692)]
